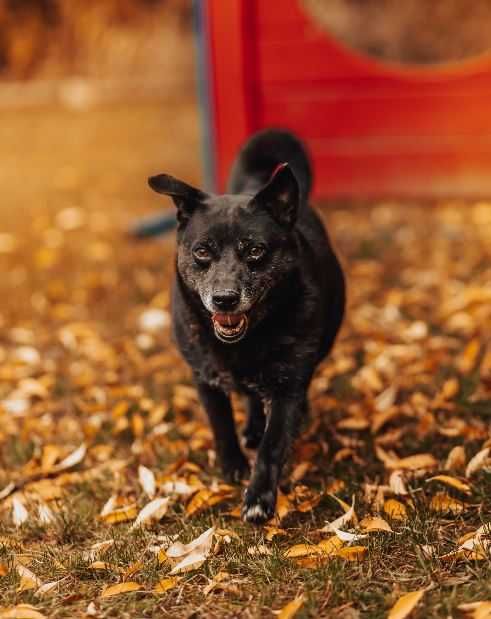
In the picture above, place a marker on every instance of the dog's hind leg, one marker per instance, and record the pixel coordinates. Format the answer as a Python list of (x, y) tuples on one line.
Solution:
[(256, 420), (219, 410), (281, 429)]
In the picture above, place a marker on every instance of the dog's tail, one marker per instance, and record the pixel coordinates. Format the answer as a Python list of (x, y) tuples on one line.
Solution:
[(262, 154), (253, 167)]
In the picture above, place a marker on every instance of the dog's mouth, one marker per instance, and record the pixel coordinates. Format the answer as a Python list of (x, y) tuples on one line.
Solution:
[(229, 328)]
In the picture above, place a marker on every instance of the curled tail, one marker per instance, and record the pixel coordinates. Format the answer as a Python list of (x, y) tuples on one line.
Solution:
[(262, 154), (254, 165)]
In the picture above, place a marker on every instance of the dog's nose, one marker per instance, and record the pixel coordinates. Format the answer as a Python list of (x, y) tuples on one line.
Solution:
[(226, 300)]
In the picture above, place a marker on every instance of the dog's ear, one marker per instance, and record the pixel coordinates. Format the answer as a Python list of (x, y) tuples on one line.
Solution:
[(281, 196), (186, 198)]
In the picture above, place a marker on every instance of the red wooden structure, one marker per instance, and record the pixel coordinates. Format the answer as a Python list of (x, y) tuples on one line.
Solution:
[(373, 129)]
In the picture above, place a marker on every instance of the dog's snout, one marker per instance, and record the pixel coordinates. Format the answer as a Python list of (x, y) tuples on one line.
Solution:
[(226, 300)]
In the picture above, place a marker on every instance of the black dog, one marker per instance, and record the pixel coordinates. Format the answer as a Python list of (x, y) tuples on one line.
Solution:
[(258, 299)]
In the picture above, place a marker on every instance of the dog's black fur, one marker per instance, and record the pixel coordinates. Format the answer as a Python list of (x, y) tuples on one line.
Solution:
[(258, 299)]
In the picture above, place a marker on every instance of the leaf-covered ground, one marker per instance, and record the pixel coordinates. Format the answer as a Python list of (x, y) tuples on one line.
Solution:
[(389, 492)]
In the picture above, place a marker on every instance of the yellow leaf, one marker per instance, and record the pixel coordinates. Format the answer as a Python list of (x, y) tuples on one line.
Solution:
[(479, 610), (123, 587), (165, 584), (123, 514), (283, 506), (271, 532), (21, 611), (453, 482), (418, 461), (331, 545), (443, 503), (302, 550), (456, 459), (395, 509), (405, 605), (375, 523), (353, 553), (466, 362), (291, 609), (206, 498)]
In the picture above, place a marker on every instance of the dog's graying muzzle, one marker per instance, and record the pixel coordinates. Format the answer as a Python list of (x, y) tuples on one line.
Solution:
[(226, 300)]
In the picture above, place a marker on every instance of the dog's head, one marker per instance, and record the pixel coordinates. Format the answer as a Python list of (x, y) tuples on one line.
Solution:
[(234, 250)]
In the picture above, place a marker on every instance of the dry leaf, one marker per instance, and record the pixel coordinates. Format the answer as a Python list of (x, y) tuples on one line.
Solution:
[(375, 523), (302, 550), (22, 611), (72, 460), (405, 605), (456, 459), (342, 520), (216, 582), (123, 514), (354, 553), (152, 512), (147, 480), (453, 482), (206, 498), (395, 509), (166, 584), (397, 483), (122, 587), (291, 609), (193, 554), (19, 512), (477, 462), (331, 545), (47, 588), (28, 580), (349, 537)]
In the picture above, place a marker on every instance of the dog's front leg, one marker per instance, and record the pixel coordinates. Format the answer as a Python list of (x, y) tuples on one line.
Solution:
[(281, 428), (217, 406)]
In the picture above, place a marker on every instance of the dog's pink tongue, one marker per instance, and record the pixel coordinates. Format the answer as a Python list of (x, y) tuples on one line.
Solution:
[(227, 320)]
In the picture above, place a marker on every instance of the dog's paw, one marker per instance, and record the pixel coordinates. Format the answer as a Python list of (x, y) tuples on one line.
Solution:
[(235, 468), (258, 507)]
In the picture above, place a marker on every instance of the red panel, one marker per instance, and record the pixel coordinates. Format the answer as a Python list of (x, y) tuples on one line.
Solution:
[(233, 63), (373, 129)]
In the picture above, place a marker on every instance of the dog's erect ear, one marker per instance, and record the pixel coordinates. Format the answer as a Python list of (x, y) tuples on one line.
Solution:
[(280, 196), (186, 198)]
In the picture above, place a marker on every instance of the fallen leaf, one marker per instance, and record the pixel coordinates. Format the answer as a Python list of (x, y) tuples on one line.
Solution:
[(147, 480), (291, 609), (152, 512), (302, 550), (353, 553), (395, 509), (261, 550), (342, 520), (166, 584), (397, 483), (271, 532), (122, 587), (193, 554), (28, 580), (9, 488), (123, 514), (19, 512), (375, 523), (48, 587), (456, 459), (216, 582), (206, 498), (452, 482), (22, 611), (72, 460), (349, 537), (405, 605), (477, 462), (479, 610), (331, 545)]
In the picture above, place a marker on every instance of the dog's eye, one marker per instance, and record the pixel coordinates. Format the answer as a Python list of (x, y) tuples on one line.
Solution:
[(256, 252), (202, 255)]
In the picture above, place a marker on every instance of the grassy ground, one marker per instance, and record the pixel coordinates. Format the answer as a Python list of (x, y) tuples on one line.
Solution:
[(81, 364)]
